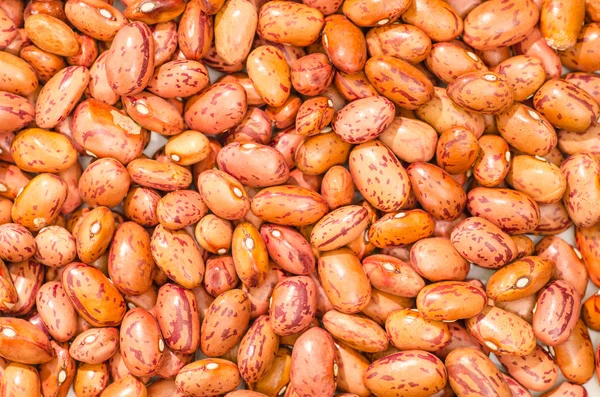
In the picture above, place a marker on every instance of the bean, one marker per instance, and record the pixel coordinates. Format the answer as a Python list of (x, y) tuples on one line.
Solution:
[(471, 373), (502, 332), (416, 372), (505, 30), (560, 303), (408, 329), (314, 369)]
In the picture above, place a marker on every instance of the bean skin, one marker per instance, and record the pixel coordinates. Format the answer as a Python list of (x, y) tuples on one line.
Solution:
[(472, 373), (314, 364), (502, 332), (455, 296), (253, 363), (487, 235), (557, 313), (408, 329), (537, 371), (356, 331), (409, 373)]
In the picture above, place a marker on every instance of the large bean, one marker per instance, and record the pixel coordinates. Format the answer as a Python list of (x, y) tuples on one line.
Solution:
[(93, 295), (558, 308), (451, 300), (472, 373), (512, 211), (342, 267), (379, 176), (413, 373), (314, 368), (502, 332), (132, 46)]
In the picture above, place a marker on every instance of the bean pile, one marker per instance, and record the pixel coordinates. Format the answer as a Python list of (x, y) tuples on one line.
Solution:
[(310, 224)]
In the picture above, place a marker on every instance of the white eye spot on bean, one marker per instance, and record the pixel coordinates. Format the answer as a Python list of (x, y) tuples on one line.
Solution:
[(507, 155), (326, 130), (367, 240), (534, 309), (400, 215), (175, 157), (161, 345), (237, 192), (491, 345), (540, 159), (249, 243), (577, 253), (389, 267), (19, 192), (3, 187), (95, 228), (39, 222), (222, 251), (335, 370), (522, 282), (147, 7), (533, 115), (283, 389), (90, 153), (383, 21), (211, 366), (276, 233), (490, 77), (105, 13), (248, 145), (9, 332), (131, 306), (330, 103), (472, 56), (325, 41), (142, 108), (62, 376), (90, 338)]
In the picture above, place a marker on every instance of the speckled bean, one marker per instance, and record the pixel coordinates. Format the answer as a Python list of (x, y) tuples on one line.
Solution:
[(502, 332), (57, 312), (558, 308), (500, 23), (223, 194), (104, 131), (472, 373), (314, 366), (400, 228), (450, 301), (483, 243), (580, 171), (221, 328), (38, 150), (567, 106), (575, 356), (228, 105), (176, 253), (133, 46), (386, 73), (177, 315), (289, 23), (95, 345), (289, 205), (342, 267), (141, 342), (414, 373), (18, 244), (96, 285)]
